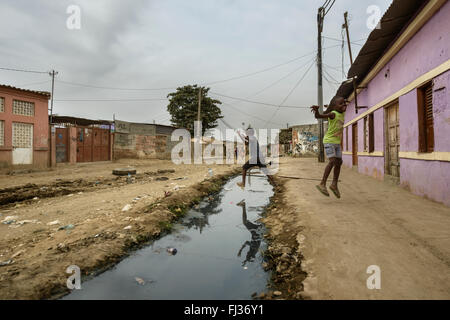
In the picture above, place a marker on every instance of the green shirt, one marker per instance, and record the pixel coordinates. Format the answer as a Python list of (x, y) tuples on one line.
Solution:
[(335, 129)]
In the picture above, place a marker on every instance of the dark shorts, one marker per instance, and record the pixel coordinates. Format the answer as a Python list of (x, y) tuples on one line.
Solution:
[(250, 164)]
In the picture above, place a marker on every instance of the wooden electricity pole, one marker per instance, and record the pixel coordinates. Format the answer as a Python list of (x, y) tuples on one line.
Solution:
[(320, 18), (355, 86), (53, 73), (199, 110)]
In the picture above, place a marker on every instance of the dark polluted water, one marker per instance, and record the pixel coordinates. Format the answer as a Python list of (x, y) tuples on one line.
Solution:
[(219, 254)]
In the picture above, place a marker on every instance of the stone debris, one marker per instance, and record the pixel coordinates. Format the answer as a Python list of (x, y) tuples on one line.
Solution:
[(53, 223), (140, 281), (127, 228), (18, 253), (6, 263), (68, 227), (10, 219), (126, 208)]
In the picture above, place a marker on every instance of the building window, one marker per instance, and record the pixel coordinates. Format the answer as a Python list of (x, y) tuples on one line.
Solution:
[(2, 104), (425, 117), (2, 133), (369, 137), (346, 138), (23, 108), (366, 134)]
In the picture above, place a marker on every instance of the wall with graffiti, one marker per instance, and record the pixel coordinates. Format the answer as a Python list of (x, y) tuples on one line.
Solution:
[(305, 139)]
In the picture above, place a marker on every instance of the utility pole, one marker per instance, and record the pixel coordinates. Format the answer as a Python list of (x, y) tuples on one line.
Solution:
[(320, 18), (199, 110), (355, 86), (53, 73), (348, 36)]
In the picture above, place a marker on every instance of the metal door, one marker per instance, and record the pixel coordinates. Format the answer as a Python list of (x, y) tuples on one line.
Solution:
[(355, 143), (393, 140), (105, 145), (62, 144), (22, 136), (97, 147), (84, 144)]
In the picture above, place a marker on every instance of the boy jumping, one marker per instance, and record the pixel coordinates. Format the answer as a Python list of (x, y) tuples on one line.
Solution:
[(256, 158), (332, 142)]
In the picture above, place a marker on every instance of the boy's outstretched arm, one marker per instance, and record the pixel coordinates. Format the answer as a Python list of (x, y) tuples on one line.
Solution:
[(315, 110), (241, 136)]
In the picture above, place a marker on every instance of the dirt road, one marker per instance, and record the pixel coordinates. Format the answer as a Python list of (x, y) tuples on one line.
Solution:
[(374, 223), (83, 215)]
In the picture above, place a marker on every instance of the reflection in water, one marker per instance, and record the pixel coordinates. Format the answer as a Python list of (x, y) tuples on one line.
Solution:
[(255, 230), (206, 265), (204, 210)]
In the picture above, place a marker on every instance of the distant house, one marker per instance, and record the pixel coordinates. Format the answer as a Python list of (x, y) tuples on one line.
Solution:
[(401, 130), (24, 127), (142, 140)]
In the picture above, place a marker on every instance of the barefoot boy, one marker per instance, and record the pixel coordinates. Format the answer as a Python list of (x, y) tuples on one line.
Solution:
[(332, 142), (256, 159)]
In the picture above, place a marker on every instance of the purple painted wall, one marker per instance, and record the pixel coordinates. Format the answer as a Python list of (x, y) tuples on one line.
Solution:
[(430, 179), (441, 110), (428, 49), (371, 166), (409, 122)]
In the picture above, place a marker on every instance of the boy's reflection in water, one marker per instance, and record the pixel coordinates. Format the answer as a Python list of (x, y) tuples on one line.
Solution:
[(255, 230)]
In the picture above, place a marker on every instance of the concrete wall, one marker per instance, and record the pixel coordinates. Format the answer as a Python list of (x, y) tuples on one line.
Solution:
[(305, 139), (428, 49), (141, 141), (41, 149)]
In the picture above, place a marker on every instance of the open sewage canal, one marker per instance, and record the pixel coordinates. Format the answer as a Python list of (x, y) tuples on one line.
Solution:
[(219, 253)]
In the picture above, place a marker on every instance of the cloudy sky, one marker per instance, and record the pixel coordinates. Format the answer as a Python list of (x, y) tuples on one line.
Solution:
[(163, 44)]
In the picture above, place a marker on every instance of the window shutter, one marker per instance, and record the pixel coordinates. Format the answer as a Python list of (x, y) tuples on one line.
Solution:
[(371, 134), (429, 123)]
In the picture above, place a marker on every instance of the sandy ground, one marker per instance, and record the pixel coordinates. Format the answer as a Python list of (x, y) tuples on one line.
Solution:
[(86, 225), (374, 223)]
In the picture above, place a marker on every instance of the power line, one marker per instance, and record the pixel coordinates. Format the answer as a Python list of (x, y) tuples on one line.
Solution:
[(281, 79), (261, 71), (112, 88), (226, 124), (34, 83), (256, 102), (22, 70), (290, 93), (340, 40), (107, 100), (331, 6), (250, 115)]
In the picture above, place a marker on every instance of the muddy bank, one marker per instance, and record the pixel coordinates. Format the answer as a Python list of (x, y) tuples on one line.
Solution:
[(38, 271), (219, 253), (30, 191), (283, 255)]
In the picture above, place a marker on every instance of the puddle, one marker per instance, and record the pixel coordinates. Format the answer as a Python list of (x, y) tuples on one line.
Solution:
[(219, 254)]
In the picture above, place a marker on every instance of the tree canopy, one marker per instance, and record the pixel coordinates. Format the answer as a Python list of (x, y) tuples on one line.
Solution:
[(183, 106)]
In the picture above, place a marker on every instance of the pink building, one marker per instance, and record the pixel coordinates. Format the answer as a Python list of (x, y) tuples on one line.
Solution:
[(402, 131), (24, 127)]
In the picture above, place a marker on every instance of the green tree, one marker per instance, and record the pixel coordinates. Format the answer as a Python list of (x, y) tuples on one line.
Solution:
[(183, 106)]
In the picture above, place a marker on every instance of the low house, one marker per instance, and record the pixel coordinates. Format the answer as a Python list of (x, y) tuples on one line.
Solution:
[(24, 128), (77, 140), (400, 128), (142, 140)]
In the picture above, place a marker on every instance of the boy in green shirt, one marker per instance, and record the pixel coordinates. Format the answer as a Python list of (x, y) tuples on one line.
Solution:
[(335, 114)]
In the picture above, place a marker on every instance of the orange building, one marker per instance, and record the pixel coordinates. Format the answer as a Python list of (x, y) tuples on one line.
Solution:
[(24, 127)]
